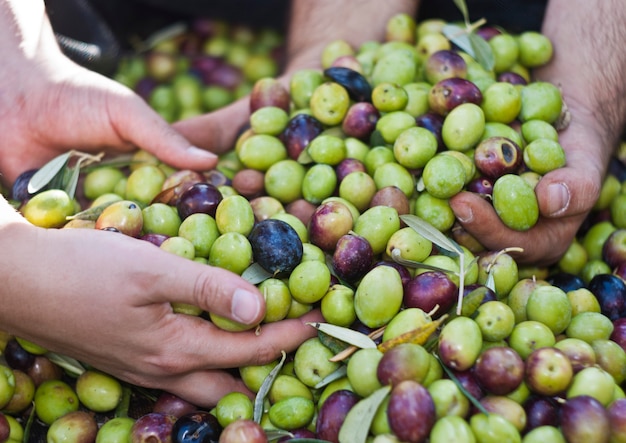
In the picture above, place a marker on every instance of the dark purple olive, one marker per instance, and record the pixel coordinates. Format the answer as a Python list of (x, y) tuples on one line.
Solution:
[(617, 419), (225, 75), (485, 292), (19, 191), (429, 290), (610, 291), (276, 246), (411, 411), (355, 83), (540, 410), (566, 281), (199, 198), (447, 94), (145, 86), (154, 238), (172, 404), (17, 357), (360, 120), (333, 413), (5, 428), (301, 129), (619, 332), (499, 370), (352, 257), (584, 419), (348, 165), (302, 433), (434, 123), (614, 248), (153, 427), (512, 77), (196, 427), (442, 64), (496, 156), (482, 186), (468, 380), (487, 32)]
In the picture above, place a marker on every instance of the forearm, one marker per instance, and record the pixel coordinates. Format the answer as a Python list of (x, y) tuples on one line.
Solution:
[(589, 62), (314, 24)]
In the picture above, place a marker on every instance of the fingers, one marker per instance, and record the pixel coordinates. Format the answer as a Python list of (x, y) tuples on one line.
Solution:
[(142, 126), (198, 344), (542, 245), (206, 388), (216, 131)]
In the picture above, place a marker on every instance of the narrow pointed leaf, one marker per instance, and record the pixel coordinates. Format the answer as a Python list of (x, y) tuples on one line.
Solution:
[(358, 421), (395, 256), (482, 51), (456, 381), (47, 172), (259, 399), (275, 434), (71, 365), (348, 335), (338, 373), (459, 37), (72, 181), (428, 231), (417, 336), (255, 274), (463, 8)]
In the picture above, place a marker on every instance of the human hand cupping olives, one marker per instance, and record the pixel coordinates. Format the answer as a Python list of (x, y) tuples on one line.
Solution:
[(567, 195), (102, 297)]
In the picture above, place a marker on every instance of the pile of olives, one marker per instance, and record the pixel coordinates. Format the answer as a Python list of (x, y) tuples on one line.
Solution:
[(335, 197)]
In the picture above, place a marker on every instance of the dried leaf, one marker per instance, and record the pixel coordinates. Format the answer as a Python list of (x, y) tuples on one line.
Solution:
[(347, 335), (259, 399), (48, 172), (417, 336), (255, 274), (358, 421), (431, 233)]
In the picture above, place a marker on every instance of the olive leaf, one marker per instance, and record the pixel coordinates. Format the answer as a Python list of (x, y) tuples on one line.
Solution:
[(71, 365), (338, 373), (265, 389), (396, 255), (463, 8), (471, 43), (255, 274), (124, 405), (48, 172), (275, 434), (348, 335), (431, 233), (358, 421), (465, 392)]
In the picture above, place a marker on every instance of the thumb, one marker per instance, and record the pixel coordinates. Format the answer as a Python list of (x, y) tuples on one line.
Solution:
[(210, 288)]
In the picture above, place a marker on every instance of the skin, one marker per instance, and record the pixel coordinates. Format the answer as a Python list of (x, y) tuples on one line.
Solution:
[(141, 340), (565, 196), (118, 318)]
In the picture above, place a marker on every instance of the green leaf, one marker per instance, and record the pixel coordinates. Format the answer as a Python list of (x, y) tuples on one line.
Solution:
[(358, 421), (71, 365), (459, 36), (265, 388), (338, 373), (482, 51), (463, 8), (397, 257), (465, 392), (48, 172), (431, 233), (255, 274), (348, 335)]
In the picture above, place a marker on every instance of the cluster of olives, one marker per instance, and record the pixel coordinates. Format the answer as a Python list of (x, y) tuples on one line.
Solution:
[(335, 197), (200, 66)]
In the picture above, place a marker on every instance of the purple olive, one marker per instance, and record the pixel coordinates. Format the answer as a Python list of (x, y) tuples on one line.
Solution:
[(497, 156), (199, 198), (333, 413), (300, 130), (360, 120), (447, 94)]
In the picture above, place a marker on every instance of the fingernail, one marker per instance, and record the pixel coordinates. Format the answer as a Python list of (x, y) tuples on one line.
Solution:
[(194, 151), (245, 306), (464, 214), (558, 198)]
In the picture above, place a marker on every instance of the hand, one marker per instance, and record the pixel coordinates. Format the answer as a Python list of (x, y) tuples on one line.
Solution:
[(104, 299), (565, 197), (51, 105)]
